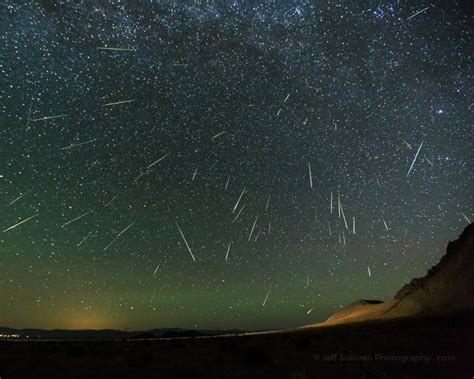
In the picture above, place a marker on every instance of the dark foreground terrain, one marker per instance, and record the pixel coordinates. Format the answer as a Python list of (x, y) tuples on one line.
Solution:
[(436, 347)]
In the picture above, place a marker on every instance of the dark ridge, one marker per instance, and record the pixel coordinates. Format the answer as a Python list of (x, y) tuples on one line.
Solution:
[(187, 333), (463, 245), (143, 336)]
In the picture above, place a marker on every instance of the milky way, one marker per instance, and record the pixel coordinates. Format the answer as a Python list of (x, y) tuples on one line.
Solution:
[(228, 164)]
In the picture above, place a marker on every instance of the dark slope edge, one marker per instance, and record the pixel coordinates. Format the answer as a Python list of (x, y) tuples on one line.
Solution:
[(448, 287)]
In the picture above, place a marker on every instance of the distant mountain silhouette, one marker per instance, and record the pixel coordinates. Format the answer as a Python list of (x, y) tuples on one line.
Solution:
[(110, 334), (143, 336), (448, 287), (183, 333)]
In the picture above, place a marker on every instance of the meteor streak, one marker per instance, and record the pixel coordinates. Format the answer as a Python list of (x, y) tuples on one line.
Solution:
[(116, 48), (227, 253), (186, 242), (84, 239), (268, 202), (21, 222), (218, 135), (467, 218), (253, 227), (18, 198), (344, 217), (118, 235), (414, 159), (120, 102), (419, 12), (29, 118), (385, 224), (238, 201), (157, 161), (76, 218), (79, 144), (49, 117), (238, 214), (266, 298)]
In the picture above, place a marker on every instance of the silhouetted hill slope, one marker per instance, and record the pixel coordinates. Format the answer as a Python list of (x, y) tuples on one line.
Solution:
[(447, 287)]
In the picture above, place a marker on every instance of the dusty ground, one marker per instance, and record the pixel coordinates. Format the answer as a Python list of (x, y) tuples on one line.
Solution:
[(385, 349)]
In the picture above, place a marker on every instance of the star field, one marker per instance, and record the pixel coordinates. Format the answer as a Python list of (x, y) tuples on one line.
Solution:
[(329, 144)]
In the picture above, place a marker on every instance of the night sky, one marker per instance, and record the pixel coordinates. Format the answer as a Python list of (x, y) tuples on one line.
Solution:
[(130, 130)]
